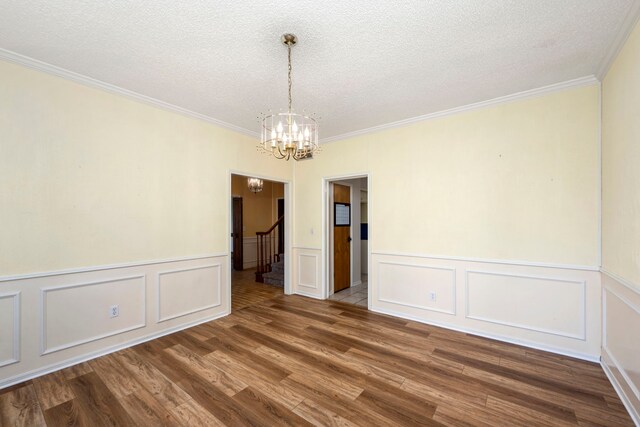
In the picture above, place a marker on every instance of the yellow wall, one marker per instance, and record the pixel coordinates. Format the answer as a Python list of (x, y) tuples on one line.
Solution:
[(259, 210), (90, 178), (621, 163), (516, 181)]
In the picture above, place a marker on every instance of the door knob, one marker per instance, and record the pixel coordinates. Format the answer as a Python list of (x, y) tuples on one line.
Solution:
[(349, 239)]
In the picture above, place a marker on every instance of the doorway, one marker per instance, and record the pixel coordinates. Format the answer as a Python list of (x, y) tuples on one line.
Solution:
[(236, 234), (346, 240), (258, 240)]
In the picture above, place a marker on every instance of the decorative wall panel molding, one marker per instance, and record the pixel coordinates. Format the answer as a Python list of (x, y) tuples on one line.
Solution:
[(546, 307), (308, 271), (69, 320), (621, 323), (9, 328), (188, 290), (62, 328), (419, 286), (249, 252), (542, 304)]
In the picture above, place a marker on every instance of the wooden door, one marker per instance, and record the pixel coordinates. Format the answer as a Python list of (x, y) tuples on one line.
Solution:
[(281, 227), (341, 237), (237, 234)]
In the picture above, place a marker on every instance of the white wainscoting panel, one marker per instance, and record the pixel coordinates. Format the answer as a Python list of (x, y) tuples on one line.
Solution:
[(78, 313), (547, 307), (419, 286), (9, 328), (249, 252), (307, 272), (621, 339), (68, 318), (543, 304), (188, 290)]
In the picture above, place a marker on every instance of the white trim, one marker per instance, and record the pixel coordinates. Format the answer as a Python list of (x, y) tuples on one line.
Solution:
[(635, 417), (288, 228), (631, 18), (605, 347), (160, 319), (491, 261), (16, 328), (582, 356), (627, 284), (107, 267), (43, 314), (599, 177), (303, 248), (582, 336), (35, 64), (325, 230), (357, 282), (315, 257), (74, 361), (569, 84), (308, 295), (422, 307)]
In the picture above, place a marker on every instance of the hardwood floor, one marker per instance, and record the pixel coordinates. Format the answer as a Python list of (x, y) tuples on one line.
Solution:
[(245, 291), (298, 361)]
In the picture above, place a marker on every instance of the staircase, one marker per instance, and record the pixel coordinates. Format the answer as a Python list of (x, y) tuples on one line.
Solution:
[(276, 276), (270, 254)]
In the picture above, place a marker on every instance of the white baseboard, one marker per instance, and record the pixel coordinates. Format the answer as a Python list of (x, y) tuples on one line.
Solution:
[(304, 294), (581, 356), (112, 349), (635, 416)]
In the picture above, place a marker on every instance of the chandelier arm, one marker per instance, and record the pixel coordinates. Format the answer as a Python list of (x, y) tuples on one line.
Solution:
[(280, 155)]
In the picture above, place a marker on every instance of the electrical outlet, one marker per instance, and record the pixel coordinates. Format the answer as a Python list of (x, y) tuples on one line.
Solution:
[(114, 311), (432, 296)]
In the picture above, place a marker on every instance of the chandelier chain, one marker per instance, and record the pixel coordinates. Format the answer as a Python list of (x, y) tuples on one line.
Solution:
[(289, 56)]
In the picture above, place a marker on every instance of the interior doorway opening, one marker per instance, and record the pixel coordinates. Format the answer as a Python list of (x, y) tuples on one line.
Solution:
[(258, 235), (347, 240)]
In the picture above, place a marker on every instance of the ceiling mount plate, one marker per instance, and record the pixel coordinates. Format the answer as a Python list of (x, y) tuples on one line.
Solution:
[(289, 39)]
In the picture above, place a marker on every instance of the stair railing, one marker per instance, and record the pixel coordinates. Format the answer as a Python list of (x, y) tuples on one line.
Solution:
[(269, 249)]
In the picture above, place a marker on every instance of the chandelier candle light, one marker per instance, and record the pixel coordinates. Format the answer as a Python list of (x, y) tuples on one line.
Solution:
[(289, 135)]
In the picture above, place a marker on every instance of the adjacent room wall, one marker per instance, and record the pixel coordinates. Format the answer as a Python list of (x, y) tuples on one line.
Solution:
[(131, 201), (490, 208), (621, 222), (259, 209)]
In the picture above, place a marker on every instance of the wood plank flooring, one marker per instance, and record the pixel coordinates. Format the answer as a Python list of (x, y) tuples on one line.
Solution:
[(291, 360), (245, 291)]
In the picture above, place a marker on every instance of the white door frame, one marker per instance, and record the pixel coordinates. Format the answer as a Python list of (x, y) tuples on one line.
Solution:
[(326, 229), (287, 225)]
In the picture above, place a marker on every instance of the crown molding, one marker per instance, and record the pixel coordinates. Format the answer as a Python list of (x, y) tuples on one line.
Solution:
[(556, 87), (633, 15), (35, 64), (98, 84)]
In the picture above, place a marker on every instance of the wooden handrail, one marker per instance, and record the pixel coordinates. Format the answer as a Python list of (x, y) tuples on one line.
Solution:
[(275, 224), (268, 251)]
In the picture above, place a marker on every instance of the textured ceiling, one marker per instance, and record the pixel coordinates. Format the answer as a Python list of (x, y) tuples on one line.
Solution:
[(358, 63)]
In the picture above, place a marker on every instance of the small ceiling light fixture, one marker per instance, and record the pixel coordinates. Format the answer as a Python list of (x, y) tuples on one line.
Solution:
[(255, 185), (287, 135)]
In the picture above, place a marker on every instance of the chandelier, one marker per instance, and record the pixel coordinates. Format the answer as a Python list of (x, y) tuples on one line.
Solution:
[(289, 135), (255, 185)]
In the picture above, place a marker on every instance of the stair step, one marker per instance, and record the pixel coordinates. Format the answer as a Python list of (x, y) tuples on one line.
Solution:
[(278, 266), (274, 278)]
